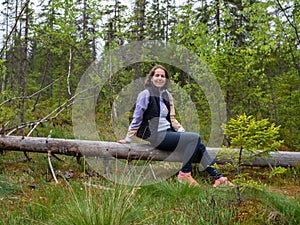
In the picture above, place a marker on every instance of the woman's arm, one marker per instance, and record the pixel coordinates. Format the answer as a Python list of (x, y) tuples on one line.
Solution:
[(175, 124), (140, 107)]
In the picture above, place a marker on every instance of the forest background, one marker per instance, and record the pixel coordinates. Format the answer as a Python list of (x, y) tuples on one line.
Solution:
[(252, 47)]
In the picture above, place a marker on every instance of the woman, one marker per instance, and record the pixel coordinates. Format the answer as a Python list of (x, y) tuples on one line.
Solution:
[(154, 121)]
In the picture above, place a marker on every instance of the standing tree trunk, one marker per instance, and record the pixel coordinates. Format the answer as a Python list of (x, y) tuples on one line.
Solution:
[(4, 81), (218, 23), (24, 61), (139, 12)]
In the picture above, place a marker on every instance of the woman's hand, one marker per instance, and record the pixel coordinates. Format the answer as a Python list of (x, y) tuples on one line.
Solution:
[(123, 141), (181, 129)]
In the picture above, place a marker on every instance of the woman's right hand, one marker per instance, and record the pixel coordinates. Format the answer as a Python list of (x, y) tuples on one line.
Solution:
[(123, 141)]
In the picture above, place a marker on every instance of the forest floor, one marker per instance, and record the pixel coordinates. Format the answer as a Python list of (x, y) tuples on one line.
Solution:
[(26, 183)]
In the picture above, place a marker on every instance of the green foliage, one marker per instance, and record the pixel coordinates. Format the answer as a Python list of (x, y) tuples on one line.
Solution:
[(31, 199), (250, 134), (254, 68), (2, 69), (7, 114), (277, 170), (252, 137)]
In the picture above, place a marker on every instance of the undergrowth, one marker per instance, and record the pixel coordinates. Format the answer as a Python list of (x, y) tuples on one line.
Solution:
[(28, 195)]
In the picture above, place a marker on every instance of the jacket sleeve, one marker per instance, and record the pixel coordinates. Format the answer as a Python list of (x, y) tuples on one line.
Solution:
[(175, 124), (140, 107)]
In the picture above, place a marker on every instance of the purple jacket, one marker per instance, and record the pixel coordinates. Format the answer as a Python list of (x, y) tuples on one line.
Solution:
[(141, 105)]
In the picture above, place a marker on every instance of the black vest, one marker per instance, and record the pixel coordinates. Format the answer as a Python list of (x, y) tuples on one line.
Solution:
[(149, 126)]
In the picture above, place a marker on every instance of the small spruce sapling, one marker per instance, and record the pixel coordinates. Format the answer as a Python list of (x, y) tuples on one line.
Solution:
[(252, 138)]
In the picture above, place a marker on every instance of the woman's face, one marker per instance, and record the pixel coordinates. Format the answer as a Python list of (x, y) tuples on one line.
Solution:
[(159, 78)]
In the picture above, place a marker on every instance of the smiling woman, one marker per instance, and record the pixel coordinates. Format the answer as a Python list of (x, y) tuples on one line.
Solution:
[(154, 121), (159, 78)]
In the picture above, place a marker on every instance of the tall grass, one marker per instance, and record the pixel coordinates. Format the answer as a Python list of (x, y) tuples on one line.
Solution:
[(285, 209), (170, 202), (90, 205)]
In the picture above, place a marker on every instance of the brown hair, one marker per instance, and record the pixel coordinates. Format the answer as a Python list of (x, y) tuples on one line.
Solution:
[(151, 74)]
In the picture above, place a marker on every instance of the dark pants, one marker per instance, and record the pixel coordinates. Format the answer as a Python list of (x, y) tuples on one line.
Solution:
[(190, 145)]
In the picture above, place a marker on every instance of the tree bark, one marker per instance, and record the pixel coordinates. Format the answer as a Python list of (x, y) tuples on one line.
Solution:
[(87, 148)]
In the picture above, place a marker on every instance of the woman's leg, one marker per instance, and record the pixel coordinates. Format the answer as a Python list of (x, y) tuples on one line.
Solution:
[(184, 142), (199, 152), (207, 162), (190, 144), (167, 140)]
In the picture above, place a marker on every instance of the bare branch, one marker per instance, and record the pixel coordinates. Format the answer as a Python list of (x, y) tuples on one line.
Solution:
[(48, 118), (51, 167), (69, 71), (14, 27), (289, 21), (32, 95)]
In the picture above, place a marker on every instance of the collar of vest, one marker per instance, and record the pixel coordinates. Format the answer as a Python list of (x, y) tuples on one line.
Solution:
[(154, 91)]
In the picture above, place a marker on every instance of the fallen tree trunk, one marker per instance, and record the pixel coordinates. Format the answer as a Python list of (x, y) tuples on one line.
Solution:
[(102, 149)]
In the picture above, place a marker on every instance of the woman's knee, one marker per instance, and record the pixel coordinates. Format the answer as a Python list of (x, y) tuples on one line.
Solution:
[(201, 147), (191, 136)]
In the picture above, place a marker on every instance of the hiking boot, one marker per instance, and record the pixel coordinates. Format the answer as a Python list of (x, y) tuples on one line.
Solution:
[(187, 178), (223, 181)]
